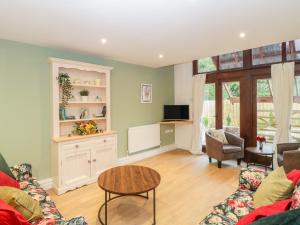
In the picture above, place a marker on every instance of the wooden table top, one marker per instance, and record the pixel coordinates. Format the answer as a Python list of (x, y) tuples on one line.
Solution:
[(267, 150), (129, 180)]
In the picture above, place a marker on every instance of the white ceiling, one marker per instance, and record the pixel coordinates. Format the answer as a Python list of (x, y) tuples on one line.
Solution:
[(138, 30)]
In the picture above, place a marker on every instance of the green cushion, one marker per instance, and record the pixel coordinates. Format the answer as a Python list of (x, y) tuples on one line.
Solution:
[(22, 202), (274, 188), (4, 167)]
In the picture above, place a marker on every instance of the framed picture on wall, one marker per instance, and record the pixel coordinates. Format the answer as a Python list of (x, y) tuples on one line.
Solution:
[(146, 93)]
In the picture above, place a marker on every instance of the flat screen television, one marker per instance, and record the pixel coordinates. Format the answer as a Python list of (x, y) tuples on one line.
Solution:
[(176, 112)]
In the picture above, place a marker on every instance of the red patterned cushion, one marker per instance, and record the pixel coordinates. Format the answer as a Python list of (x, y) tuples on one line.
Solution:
[(6, 180), (10, 216), (296, 197), (250, 178)]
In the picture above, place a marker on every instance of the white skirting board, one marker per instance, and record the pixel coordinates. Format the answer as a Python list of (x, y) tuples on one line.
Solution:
[(48, 183)]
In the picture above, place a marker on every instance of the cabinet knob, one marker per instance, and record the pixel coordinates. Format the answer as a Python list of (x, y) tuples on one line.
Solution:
[(76, 146), (94, 160), (89, 161), (104, 140)]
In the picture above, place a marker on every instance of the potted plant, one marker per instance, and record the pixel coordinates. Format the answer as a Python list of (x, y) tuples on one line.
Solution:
[(84, 95), (65, 87), (261, 140)]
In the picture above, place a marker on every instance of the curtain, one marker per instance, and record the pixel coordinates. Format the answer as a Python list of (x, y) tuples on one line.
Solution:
[(198, 99), (283, 87)]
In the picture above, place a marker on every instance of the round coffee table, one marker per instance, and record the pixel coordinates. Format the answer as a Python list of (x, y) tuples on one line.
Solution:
[(267, 152), (128, 181)]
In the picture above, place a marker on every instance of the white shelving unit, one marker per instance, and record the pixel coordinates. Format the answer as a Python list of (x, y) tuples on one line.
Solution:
[(78, 160)]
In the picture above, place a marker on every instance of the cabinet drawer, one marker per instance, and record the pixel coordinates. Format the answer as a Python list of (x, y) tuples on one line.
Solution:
[(104, 141), (75, 145)]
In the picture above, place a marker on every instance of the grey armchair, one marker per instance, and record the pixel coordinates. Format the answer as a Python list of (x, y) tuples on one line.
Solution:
[(219, 151), (288, 156)]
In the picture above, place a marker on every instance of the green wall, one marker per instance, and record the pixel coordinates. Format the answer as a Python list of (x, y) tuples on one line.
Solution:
[(25, 101)]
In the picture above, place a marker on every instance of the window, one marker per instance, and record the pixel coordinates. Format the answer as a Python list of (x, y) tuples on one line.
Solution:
[(208, 64), (293, 50), (231, 60), (266, 125), (231, 106), (295, 117), (267, 54), (209, 108)]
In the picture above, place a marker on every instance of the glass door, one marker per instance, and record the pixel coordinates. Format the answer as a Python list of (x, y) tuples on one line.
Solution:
[(231, 106), (266, 124)]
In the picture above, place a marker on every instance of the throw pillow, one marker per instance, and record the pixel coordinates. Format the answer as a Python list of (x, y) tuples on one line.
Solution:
[(219, 135), (294, 176), (10, 216), (6, 180), (251, 178), (4, 167), (22, 202), (264, 211), (274, 188), (296, 197)]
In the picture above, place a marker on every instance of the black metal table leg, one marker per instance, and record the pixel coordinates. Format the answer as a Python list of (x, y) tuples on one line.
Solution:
[(154, 208), (105, 207)]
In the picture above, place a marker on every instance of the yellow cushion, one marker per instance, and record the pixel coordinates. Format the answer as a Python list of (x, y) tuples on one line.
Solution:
[(274, 188), (22, 202)]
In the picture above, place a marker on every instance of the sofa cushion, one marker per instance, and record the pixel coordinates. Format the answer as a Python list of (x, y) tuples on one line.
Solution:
[(236, 206), (10, 216), (4, 167), (219, 135), (251, 178), (216, 219), (6, 180), (227, 149), (274, 188), (22, 202), (296, 197)]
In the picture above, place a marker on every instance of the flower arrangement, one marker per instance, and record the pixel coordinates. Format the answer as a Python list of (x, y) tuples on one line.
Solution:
[(86, 128), (261, 140)]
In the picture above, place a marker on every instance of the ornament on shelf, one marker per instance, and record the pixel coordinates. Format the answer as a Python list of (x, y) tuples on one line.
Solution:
[(84, 114)]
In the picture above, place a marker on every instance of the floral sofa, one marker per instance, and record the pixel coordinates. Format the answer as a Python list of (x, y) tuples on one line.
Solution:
[(29, 185), (240, 203)]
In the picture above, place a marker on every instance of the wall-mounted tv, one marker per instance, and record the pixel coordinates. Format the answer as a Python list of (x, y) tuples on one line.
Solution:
[(176, 112)]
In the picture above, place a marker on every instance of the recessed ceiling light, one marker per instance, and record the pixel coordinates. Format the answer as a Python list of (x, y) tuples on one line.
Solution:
[(103, 40), (160, 56), (242, 35)]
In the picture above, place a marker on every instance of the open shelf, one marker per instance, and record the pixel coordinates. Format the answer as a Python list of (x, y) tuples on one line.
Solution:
[(89, 85), (80, 102), (79, 120), (179, 122)]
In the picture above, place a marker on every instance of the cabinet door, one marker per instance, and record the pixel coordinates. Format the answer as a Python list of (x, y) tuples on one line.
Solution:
[(102, 158), (76, 166)]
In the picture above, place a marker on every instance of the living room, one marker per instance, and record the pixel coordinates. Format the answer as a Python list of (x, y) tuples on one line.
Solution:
[(149, 112)]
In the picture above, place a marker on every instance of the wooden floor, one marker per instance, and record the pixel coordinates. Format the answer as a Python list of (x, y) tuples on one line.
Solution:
[(190, 187)]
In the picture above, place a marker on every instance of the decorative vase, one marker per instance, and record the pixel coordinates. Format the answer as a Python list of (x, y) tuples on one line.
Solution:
[(261, 145), (84, 98)]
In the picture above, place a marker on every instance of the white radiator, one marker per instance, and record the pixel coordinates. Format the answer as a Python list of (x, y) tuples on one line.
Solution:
[(143, 137)]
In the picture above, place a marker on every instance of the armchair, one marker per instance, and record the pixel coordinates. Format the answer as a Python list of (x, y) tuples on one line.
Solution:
[(219, 151), (288, 156)]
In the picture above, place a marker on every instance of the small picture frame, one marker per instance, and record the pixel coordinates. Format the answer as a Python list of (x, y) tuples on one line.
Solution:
[(146, 93)]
